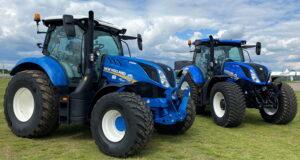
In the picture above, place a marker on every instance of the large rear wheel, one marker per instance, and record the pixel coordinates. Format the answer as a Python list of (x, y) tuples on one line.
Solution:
[(286, 108), (227, 104), (30, 105), (121, 124)]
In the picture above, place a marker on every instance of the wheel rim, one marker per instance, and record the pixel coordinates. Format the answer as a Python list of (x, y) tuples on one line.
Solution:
[(271, 111), (23, 104), (184, 86), (219, 104), (113, 126)]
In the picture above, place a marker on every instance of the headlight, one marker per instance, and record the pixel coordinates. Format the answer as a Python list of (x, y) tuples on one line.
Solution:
[(163, 79), (254, 77)]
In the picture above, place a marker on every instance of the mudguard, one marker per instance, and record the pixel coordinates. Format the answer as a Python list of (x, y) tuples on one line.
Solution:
[(195, 73), (50, 66)]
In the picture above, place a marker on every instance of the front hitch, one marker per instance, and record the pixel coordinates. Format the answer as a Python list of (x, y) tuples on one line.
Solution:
[(171, 108)]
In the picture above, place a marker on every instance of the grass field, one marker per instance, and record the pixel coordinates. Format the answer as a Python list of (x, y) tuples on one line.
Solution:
[(254, 139)]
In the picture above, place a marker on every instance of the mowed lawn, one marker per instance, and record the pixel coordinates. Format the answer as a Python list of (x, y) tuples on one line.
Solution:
[(254, 139)]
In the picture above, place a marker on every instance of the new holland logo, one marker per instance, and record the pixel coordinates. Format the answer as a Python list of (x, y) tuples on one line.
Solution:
[(234, 76), (119, 73)]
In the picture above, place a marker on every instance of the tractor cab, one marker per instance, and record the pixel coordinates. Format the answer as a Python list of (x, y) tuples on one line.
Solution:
[(66, 43)]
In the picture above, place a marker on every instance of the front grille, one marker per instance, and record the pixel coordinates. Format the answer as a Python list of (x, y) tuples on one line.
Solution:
[(261, 71), (246, 71), (151, 71), (169, 73)]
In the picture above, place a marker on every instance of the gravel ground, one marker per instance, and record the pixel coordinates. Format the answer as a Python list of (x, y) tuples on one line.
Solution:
[(295, 86)]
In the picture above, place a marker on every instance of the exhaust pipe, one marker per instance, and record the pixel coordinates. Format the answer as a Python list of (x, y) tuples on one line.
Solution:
[(87, 83)]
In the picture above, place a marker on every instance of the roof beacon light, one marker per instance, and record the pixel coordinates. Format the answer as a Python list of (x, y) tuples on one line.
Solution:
[(189, 43), (37, 18)]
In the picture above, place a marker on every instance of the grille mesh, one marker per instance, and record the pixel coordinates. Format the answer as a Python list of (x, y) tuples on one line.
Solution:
[(151, 71), (261, 71)]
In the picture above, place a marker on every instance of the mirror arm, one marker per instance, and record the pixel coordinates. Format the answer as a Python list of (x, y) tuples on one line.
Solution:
[(123, 37), (127, 48)]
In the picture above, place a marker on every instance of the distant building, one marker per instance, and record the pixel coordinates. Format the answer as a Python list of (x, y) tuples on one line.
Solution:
[(287, 75)]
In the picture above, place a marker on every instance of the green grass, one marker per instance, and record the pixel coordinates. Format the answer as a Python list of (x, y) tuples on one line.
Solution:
[(254, 139)]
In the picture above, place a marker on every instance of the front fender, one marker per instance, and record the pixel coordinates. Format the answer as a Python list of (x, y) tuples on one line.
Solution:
[(50, 66), (195, 73)]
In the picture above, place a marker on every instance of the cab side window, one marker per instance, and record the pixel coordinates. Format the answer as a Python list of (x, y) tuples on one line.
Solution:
[(68, 52)]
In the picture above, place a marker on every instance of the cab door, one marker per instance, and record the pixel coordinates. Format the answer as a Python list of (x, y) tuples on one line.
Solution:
[(68, 51), (201, 60)]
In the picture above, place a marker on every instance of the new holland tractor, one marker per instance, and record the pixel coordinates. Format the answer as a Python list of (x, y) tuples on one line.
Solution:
[(84, 77), (220, 78)]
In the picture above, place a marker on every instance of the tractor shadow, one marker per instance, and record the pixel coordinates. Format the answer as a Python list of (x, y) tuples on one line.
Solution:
[(75, 131)]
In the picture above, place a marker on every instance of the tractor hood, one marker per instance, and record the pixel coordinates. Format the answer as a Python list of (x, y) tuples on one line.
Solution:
[(138, 70), (252, 72)]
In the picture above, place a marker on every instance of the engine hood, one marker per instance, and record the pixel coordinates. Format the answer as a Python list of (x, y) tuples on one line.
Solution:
[(240, 70), (140, 68)]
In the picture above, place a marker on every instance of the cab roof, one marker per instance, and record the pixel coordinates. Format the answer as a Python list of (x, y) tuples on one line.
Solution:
[(53, 19), (219, 41)]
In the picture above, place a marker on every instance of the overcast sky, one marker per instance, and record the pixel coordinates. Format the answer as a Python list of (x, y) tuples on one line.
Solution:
[(166, 25)]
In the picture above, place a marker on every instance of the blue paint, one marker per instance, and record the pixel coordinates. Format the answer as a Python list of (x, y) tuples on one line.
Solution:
[(53, 69), (196, 73), (235, 68), (120, 124)]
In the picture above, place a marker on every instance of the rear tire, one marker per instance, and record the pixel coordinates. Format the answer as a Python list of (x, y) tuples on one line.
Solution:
[(121, 124), (228, 104), (30, 105), (287, 107), (179, 127), (195, 94)]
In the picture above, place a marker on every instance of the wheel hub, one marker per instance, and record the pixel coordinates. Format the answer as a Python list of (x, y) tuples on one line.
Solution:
[(223, 104), (113, 126), (23, 104)]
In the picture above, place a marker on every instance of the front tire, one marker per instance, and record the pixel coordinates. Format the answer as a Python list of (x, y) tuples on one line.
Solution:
[(121, 124), (228, 104), (30, 105), (179, 127), (287, 107)]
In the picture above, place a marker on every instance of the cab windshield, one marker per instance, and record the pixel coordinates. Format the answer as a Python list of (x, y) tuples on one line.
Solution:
[(107, 44), (228, 53)]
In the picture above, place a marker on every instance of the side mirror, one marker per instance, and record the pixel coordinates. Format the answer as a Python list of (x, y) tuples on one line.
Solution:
[(69, 26), (139, 42), (258, 48)]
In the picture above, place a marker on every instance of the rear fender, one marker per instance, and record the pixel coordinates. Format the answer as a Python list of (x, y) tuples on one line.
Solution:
[(46, 64)]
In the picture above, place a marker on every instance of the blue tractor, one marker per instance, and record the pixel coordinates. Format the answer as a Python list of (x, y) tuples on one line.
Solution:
[(84, 77), (220, 78)]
